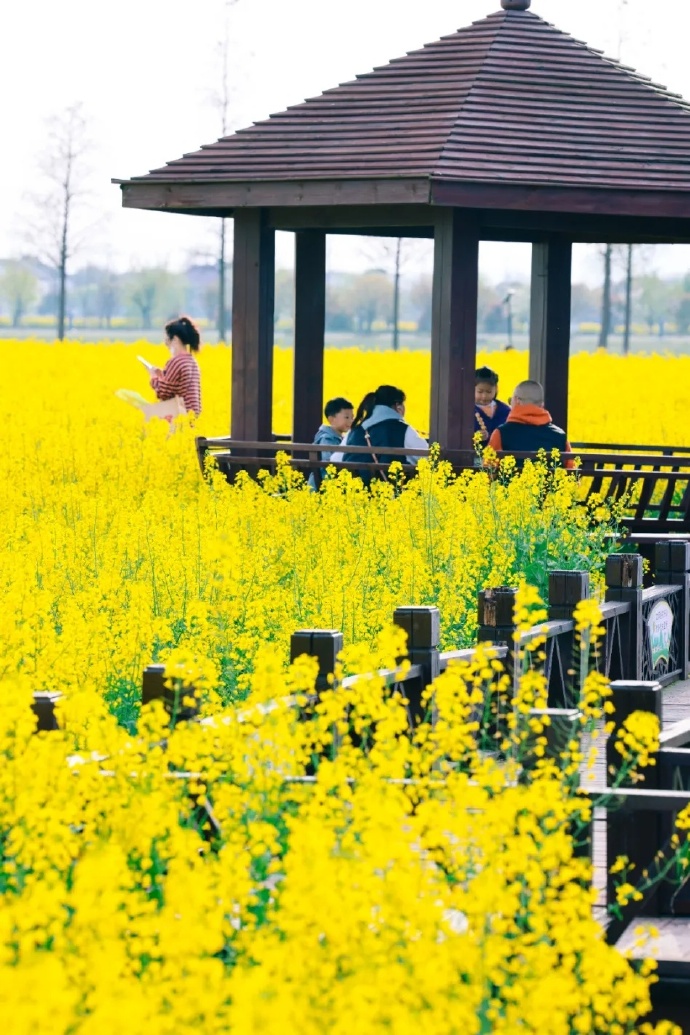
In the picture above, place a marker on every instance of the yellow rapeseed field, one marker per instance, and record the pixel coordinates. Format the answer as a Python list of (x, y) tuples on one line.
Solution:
[(116, 551), (173, 882), (636, 399)]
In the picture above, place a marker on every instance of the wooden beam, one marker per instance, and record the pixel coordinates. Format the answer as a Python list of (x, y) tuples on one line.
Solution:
[(252, 326), (178, 195), (361, 219), (549, 344), (506, 213), (310, 321), (531, 225), (454, 329), (530, 197)]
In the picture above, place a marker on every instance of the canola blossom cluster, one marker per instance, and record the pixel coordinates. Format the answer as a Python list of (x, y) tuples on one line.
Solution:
[(116, 551), (300, 864)]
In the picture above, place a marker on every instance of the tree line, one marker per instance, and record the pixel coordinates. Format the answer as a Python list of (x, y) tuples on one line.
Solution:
[(356, 302)]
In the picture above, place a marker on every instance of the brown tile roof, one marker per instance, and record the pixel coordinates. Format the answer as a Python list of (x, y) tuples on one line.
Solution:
[(509, 99)]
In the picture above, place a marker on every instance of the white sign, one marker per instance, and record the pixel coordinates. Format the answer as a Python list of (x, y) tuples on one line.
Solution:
[(660, 625)]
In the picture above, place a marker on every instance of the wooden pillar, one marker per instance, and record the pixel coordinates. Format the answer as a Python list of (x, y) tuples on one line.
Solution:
[(253, 289), (549, 341), (310, 322), (454, 329)]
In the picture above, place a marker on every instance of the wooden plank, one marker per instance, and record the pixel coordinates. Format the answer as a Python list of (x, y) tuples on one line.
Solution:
[(549, 347), (271, 445), (310, 322), (454, 330), (222, 197), (252, 326), (352, 218), (543, 198)]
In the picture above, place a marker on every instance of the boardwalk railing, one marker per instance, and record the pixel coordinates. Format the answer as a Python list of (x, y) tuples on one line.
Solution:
[(644, 651)]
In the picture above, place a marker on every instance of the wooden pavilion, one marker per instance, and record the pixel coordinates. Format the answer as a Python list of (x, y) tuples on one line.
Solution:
[(506, 130)]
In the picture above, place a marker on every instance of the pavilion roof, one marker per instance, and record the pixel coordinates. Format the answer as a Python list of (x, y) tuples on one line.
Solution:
[(508, 100)]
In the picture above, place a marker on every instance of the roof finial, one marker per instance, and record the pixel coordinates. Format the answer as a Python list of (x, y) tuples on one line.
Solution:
[(515, 5)]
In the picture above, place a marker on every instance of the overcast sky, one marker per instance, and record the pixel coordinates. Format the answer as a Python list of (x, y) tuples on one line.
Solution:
[(147, 70)]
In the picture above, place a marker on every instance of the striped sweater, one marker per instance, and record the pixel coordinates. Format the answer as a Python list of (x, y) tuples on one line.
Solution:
[(180, 377)]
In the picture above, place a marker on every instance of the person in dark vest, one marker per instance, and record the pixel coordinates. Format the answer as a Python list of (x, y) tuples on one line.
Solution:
[(529, 426), (384, 428)]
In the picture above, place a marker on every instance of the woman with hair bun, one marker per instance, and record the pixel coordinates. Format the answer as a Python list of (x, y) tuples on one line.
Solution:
[(180, 378)]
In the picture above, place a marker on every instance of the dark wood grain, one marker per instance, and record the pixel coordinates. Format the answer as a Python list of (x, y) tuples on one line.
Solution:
[(252, 326), (454, 330), (549, 345), (310, 321)]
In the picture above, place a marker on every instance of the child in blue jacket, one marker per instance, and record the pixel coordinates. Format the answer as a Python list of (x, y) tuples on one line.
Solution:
[(489, 412), (339, 414)]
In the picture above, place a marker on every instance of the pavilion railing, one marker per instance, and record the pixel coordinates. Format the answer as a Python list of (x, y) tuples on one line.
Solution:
[(651, 488)]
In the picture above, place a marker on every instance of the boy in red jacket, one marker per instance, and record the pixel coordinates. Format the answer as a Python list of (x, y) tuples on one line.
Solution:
[(529, 426)]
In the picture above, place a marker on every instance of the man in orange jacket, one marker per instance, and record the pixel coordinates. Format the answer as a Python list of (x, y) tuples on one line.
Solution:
[(529, 426)]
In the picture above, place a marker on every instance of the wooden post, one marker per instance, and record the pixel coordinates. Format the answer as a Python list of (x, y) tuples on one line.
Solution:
[(549, 343), (496, 624), (624, 583), (423, 628), (153, 688), (454, 329), (566, 590), (310, 321), (496, 615), (672, 568), (43, 707), (634, 834), (253, 279), (323, 644)]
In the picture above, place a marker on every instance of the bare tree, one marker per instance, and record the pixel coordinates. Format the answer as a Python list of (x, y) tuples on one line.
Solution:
[(64, 169), (393, 254), (606, 299), (628, 298)]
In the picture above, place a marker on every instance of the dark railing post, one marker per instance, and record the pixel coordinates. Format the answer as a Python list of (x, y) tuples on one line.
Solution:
[(323, 644), (43, 707), (624, 583), (153, 684), (672, 568), (566, 590), (496, 624), (637, 835), (496, 615), (153, 688), (423, 628)]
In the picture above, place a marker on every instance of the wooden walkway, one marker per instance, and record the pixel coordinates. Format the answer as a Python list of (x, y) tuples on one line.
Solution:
[(668, 938)]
